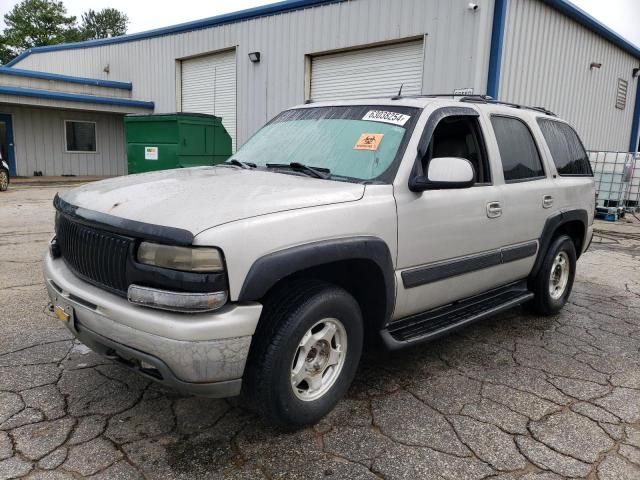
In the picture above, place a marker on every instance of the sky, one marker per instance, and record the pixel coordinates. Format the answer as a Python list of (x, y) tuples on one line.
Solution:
[(623, 16)]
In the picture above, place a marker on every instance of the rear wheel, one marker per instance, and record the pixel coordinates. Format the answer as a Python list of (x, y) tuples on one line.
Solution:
[(554, 281), (4, 179), (305, 353)]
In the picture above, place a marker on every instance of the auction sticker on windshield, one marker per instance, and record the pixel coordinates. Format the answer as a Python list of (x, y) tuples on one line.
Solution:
[(386, 117), (369, 141)]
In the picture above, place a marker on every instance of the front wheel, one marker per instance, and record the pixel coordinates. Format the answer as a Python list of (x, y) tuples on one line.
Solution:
[(305, 353), (554, 281), (4, 179)]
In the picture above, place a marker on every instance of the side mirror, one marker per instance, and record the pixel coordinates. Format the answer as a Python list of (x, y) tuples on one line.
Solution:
[(445, 172)]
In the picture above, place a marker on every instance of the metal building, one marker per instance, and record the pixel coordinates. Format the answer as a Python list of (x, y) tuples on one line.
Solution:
[(248, 66)]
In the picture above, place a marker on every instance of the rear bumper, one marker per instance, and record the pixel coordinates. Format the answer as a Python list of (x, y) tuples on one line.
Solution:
[(202, 354)]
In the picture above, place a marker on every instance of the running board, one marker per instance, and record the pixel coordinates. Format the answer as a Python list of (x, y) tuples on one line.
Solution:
[(440, 321)]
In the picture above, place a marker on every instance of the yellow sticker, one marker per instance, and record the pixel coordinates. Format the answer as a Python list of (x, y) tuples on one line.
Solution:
[(369, 141)]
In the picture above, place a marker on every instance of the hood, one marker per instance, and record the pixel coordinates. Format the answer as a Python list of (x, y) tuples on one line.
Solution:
[(195, 199)]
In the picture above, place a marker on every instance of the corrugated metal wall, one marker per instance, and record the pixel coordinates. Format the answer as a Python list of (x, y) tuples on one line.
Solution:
[(456, 52), (39, 139), (546, 58)]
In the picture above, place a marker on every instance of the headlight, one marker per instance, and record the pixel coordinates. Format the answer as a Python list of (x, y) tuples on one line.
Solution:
[(189, 259)]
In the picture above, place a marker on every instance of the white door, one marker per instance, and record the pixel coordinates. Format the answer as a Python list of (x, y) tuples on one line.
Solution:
[(209, 86), (370, 72)]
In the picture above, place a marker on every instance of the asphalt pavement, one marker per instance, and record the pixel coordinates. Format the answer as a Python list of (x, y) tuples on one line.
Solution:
[(514, 397)]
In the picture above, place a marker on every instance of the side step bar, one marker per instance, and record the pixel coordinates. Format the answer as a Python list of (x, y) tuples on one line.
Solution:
[(440, 321)]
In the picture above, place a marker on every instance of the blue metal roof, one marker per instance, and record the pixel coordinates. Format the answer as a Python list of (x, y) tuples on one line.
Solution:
[(74, 97), (16, 72), (262, 11)]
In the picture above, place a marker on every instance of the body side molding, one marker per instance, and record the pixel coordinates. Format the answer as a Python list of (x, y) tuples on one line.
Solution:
[(433, 272)]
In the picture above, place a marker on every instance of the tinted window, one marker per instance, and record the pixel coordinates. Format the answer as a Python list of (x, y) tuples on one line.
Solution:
[(81, 136), (565, 147), (518, 151)]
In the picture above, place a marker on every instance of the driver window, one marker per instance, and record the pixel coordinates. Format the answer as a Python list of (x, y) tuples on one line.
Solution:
[(460, 136)]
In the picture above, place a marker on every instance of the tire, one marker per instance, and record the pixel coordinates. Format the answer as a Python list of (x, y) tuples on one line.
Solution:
[(4, 179), (289, 315), (551, 293)]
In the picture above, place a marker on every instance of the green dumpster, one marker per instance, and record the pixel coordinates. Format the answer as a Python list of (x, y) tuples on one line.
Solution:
[(176, 140)]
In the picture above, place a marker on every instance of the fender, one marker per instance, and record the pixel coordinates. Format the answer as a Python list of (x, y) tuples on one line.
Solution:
[(269, 269), (551, 225)]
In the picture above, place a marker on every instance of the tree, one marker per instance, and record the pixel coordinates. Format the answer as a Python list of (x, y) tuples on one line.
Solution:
[(5, 54), (35, 23), (108, 22)]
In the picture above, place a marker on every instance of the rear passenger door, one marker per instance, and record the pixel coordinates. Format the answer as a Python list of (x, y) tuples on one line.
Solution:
[(526, 190)]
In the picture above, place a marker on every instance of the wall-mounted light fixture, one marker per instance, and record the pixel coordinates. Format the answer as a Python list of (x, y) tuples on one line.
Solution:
[(473, 7), (254, 57), (635, 73), (595, 65)]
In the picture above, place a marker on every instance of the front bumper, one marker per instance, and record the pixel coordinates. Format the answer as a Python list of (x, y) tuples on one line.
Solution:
[(202, 354)]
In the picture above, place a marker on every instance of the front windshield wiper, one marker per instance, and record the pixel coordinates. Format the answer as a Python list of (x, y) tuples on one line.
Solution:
[(317, 172), (240, 164)]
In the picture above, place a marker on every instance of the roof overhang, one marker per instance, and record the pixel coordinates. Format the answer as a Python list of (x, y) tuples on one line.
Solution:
[(48, 98), (583, 18), (94, 82)]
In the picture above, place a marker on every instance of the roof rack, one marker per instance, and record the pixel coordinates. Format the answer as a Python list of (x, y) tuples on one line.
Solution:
[(477, 98), (488, 99)]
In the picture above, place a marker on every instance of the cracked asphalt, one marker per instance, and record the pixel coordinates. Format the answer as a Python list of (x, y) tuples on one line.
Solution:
[(515, 397)]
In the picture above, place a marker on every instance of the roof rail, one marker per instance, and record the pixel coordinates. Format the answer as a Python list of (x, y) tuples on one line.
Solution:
[(488, 99)]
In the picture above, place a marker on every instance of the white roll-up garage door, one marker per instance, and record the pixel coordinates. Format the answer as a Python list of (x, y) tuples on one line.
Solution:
[(370, 72), (209, 86)]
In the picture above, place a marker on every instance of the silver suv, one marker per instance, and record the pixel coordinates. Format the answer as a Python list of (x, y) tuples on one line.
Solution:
[(397, 220)]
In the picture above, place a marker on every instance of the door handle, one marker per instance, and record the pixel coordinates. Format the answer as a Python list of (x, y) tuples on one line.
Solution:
[(494, 209), (547, 201)]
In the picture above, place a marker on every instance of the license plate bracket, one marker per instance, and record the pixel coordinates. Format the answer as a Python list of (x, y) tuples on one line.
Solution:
[(63, 312)]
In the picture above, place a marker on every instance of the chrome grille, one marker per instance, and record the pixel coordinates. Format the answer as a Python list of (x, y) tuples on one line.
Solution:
[(98, 256)]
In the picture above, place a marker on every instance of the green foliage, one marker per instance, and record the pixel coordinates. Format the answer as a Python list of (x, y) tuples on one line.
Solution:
[(37, 23), (106, 23), (34, 23)]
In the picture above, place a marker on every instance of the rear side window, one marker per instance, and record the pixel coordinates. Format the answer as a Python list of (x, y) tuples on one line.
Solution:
[(518, 151), (565, 147)]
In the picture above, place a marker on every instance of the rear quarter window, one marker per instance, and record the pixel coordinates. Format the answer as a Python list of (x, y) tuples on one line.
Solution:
[(566, 149)]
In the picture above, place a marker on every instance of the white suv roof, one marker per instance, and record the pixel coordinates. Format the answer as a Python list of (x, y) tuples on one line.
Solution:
[(422, 101)]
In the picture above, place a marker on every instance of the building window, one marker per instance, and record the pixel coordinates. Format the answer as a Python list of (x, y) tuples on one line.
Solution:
[(518, 151), (81, 136), (621, 94)]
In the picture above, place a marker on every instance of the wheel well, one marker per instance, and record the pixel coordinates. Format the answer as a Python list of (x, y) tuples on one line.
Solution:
[(361, 278), (575, 229)]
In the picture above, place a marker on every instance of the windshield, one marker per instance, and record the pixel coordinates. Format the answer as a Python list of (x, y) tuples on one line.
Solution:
[(356, 142)]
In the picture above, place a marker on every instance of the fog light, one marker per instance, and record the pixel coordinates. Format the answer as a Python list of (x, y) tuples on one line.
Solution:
[(176, 301)]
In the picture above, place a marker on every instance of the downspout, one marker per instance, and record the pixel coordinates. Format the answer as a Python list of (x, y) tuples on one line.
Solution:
[(495, 55), (635, 126)]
